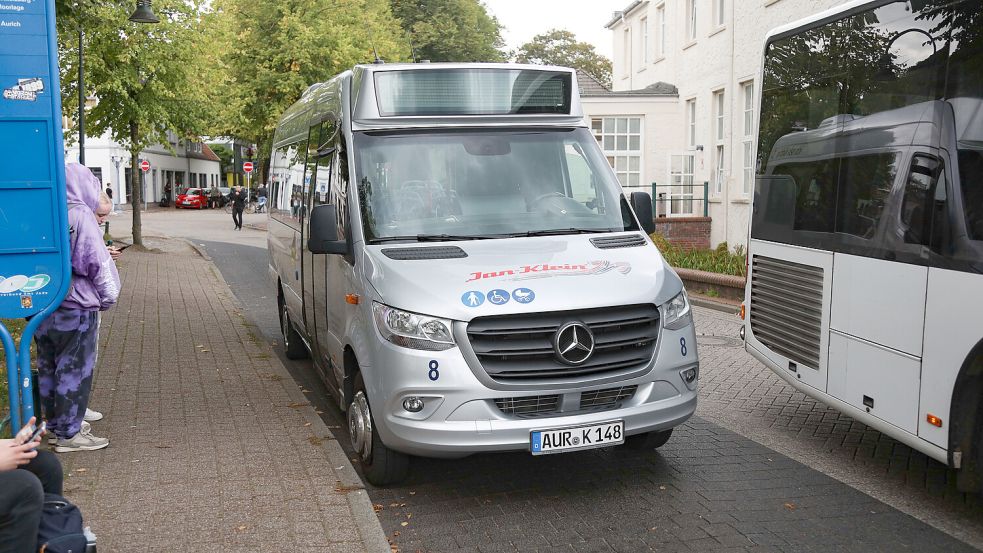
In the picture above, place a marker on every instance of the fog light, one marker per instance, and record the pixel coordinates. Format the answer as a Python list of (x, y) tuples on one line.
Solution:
[(413, 404), (689, 375)]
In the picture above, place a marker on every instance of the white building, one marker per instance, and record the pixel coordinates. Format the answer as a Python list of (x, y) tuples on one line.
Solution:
[(184, 164), (711, 51)]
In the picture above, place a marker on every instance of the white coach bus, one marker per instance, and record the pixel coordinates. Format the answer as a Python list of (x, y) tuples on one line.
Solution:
[(866, 243)]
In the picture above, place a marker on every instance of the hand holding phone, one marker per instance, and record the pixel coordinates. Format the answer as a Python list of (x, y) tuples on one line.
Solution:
[(31, 432)]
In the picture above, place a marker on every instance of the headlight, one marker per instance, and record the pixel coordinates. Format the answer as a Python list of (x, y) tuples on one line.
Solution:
[(677, 312), (413, 331)]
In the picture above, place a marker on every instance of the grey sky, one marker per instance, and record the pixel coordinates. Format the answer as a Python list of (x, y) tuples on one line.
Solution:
[(524, 19)]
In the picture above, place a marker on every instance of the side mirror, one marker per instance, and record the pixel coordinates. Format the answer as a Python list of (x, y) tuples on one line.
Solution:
[(641, 204), (323, 237)]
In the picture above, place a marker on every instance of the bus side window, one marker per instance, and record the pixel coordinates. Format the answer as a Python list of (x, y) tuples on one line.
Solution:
[(923, 207)]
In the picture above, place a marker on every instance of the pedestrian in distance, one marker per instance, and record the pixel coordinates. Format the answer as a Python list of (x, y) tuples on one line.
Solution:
[(261, 193), (214, 197), (67, 340), (26, 474), (238, 199)]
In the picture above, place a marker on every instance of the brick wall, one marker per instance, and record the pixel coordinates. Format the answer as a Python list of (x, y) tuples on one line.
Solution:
[(685, 232)]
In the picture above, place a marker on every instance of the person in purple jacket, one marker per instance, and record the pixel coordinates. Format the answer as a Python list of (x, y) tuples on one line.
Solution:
[(67, 340)]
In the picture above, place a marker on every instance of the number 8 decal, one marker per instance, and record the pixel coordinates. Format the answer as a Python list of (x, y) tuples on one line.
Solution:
[(434, 374), (682, 346)]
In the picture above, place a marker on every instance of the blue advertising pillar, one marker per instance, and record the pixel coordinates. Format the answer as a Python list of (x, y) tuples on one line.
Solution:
[(34, 259)]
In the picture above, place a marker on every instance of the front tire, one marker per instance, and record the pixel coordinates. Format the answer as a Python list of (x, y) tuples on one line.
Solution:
[(382, 466), (648, 440), (293, 346)]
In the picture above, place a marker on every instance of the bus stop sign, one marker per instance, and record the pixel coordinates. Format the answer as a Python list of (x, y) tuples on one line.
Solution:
[(34, 265)]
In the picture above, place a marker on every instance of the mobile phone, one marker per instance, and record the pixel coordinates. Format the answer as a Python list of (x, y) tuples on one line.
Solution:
[(122, 247), (38, 431)]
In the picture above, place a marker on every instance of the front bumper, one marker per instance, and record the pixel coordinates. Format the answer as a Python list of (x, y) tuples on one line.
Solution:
[(460, 416)]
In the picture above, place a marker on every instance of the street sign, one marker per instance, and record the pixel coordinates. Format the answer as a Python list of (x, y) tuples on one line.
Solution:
[(34, 260), (145, 166), (247, 167)]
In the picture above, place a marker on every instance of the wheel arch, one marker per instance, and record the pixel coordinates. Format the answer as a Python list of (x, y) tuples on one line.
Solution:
[(966, 420)]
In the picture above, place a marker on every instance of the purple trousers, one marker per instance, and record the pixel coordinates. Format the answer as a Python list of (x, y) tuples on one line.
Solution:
[(67, 343)]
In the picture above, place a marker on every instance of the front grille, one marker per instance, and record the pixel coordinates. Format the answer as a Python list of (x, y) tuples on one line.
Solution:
[(606, 399), (541, 406), (512, 348), (787, 308), (530, 406)]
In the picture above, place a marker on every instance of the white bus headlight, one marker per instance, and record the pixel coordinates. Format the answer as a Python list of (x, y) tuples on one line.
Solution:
[(411, 330), (677, 312)]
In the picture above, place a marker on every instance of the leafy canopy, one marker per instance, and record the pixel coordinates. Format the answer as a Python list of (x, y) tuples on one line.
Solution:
[(560, 47), (450, 30), (150, 75)]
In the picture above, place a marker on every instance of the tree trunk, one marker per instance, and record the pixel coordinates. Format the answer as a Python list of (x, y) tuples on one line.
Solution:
[(136, 188)]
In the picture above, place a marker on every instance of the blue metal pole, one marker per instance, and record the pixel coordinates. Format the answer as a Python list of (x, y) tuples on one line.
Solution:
[(11, 353)]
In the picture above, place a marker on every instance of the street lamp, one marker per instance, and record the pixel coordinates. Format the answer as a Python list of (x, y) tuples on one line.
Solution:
[(143, 14)]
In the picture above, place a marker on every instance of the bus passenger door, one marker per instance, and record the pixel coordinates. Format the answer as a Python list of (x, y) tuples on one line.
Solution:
[(878, 319), (341, 268), (319, 271)]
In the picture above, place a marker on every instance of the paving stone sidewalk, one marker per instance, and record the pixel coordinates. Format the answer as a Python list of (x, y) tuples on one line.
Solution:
[(214, 448)]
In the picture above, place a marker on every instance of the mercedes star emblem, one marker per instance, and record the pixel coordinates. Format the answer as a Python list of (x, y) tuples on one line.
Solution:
[(573, 343)]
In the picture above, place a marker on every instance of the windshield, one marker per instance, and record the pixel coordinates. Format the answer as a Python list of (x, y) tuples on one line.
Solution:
[(486, 184)]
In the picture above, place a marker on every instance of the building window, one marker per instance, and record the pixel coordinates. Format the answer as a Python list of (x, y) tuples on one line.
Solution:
[(681, 181), (718, 13), (627, 51), (718, 132), (690, 20), (621, 140), (747, 178), (645, 40), (660, 21), (691, 123)]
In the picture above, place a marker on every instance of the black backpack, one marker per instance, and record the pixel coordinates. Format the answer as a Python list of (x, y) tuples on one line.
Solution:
[(61, 527)]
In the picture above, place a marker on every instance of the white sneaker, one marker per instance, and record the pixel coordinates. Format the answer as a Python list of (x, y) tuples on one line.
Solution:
[(83, 441), (53, 440), (91, 415)]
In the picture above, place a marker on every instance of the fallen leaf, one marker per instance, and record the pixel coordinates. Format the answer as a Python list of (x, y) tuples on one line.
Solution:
[(307, 424), (396, 533), (662, 487), (377, 507), (241, 527), (394, 504), (204, 350), (305, 390), (404, 523), (790, 506), (412, 493), (81, 470), (297, 404)]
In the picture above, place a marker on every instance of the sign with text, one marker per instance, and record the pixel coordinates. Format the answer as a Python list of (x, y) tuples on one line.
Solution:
[(33, 208), (34, 265)]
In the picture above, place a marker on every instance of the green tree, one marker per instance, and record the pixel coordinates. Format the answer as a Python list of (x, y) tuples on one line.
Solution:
[(149, 78), (450, 30), (560, 47), (268, 52)]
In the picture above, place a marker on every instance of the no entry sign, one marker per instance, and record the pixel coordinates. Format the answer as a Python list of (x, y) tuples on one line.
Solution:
[(145, 166), (247, 167)]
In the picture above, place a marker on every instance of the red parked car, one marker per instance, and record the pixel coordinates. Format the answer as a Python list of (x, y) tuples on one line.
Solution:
[(196, 198)]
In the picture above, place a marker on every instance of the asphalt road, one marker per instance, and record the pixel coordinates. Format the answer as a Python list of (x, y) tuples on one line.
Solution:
[(707, 489)]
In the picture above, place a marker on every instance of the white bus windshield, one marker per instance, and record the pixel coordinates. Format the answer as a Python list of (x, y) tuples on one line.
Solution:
[(464, 184), (871, 133)]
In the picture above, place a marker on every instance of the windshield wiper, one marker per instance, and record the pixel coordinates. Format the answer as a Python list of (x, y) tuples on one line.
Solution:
[(561, 231), (433, 238)]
